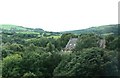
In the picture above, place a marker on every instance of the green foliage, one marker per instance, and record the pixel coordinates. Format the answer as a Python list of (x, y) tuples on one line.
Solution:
[(41, 42), (29, 75), (16, 47), (87, 41), (50, 47), (113, 42), (8, 49), (29, 53), (11, 66), (89, 62), (0, 68)]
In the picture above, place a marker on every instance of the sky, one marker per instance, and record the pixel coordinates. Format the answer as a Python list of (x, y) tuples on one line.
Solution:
[(59, 15)]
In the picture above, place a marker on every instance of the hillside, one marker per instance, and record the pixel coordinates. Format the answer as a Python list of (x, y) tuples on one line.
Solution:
[(29, 53), (105, 29), (11, 27), (19, 29), (8, 28)]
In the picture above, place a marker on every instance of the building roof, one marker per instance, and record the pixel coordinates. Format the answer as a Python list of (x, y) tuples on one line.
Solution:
[(102, 43), (71, 44)]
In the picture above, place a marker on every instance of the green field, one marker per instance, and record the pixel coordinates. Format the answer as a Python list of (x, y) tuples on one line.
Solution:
[(9, 27), (28, 32), (56, 37)]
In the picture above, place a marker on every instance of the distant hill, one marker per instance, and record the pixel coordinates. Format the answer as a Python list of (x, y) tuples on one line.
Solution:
[(11, 27), (19, 29), (8, 28), (105, 29)]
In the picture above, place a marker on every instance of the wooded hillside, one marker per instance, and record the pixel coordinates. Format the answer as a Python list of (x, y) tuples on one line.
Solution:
[(40, 53)]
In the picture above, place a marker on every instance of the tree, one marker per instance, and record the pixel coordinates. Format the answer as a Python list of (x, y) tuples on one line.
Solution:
[(39, 62), (112, 42), (87, 41), (93, 62), (11, 66), (41, 42), (32, 47), (50, 47), (16, 47)]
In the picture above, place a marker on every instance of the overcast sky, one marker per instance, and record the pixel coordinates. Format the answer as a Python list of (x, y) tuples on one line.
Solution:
[(59, 15)]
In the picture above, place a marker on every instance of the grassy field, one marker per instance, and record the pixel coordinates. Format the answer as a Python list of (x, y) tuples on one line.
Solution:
[(56, 37), (28, 32), (8, 27)]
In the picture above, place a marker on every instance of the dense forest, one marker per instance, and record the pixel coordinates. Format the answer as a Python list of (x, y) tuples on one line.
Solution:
[(29, 53)]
